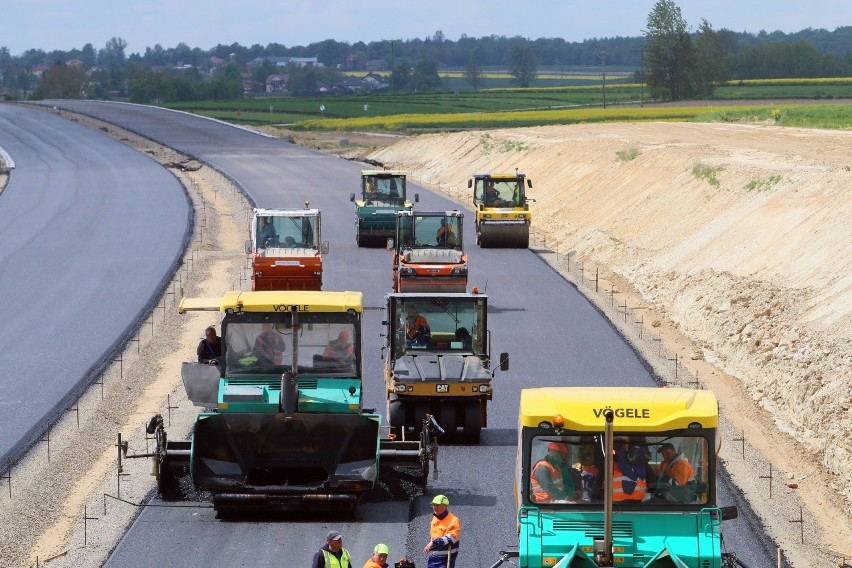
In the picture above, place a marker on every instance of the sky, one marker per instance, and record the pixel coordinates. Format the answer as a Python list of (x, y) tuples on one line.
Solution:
[(63, 25)]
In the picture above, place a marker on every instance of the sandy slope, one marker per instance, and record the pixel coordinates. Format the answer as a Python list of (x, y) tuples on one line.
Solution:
[(749, 261)]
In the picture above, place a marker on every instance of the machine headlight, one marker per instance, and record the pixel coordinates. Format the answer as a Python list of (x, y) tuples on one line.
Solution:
[(522, 216), (487, 215), (459, 270), (484, 388), (406, 270), (400, 388)]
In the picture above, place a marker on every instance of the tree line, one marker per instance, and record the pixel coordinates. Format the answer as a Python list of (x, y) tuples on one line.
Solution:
[(675, 60)]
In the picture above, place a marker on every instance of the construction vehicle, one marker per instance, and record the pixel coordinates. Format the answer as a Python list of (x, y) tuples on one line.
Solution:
[(383, 193), (443, 370), (285, 429), (428, 252), (618, 505), (503, 214), (286, 249)]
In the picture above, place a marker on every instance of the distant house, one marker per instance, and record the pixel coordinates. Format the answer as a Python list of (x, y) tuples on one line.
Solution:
[(276, 83), (251, 87), (216, 61), (351, 85), (284, 61), (306, 61), (375, 82), (74, 63)]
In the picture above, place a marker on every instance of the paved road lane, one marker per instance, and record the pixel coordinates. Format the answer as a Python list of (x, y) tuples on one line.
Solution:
[(79, 261)]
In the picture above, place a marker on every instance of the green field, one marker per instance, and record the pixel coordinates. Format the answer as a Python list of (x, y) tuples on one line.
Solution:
[(489, 108), (295, 109)]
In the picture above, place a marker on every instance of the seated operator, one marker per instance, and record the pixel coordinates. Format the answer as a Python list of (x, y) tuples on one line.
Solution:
[(446, 235), (340, 349), (492, 197), (266, 234), (675, 478), (551, 479), (268, 347), (417, 331)]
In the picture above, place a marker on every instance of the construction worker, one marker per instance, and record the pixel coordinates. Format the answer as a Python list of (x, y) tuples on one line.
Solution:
[(550, 480), (267, 236), (444, 532), (674, 475), (629, 470), (332, 555), (417, 331), (379, 557), (209, 351), (492, 196), (340, 349), (268, 346), (446, 235)]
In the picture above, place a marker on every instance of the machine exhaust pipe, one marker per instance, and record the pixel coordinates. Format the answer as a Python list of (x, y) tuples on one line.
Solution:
[(603, 548)]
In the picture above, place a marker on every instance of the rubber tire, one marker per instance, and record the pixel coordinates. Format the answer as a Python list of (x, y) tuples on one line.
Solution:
[(396, 417), (472, 421), (447, 419)]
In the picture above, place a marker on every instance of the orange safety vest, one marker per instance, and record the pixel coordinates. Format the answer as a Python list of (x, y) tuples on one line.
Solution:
[(618, 493), (419, 324), (678, 470), (539, 493), (449, 526)]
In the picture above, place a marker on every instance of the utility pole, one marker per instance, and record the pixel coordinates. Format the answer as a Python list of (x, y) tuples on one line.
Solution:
[(603, 76)]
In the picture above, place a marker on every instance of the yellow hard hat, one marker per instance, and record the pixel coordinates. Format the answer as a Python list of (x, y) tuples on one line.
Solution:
[(440, 500), (381, 549)]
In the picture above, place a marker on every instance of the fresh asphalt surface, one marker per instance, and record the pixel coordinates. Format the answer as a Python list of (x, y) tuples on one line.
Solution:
[(554, 337), (79, 263)]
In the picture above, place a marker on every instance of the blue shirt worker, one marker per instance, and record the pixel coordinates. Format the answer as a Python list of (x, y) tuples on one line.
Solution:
[(332, 555), (444, 532)]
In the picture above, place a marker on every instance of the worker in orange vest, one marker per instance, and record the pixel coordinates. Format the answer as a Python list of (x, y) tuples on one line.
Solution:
[(675, 477), (379, 557), (629, 470), (550, 480), (444, 532)]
